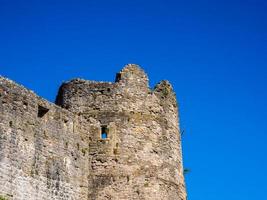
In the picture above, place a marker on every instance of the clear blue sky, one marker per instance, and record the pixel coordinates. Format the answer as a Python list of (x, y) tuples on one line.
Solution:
[(213, 52)]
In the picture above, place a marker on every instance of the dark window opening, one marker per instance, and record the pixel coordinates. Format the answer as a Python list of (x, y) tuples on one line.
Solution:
[(25, 104), (104, 132), (118, 77), (42, 111)]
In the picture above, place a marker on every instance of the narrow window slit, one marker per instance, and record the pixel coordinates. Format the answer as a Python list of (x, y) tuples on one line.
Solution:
[(104, 132)]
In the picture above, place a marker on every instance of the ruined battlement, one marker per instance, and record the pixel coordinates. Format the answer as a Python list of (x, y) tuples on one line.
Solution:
[(129, 88), (100, 140)]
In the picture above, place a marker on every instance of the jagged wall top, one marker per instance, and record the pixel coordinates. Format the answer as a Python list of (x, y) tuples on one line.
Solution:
[(130, 91)]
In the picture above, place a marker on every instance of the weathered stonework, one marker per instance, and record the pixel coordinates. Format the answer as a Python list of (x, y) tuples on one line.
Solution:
[(58, 151)]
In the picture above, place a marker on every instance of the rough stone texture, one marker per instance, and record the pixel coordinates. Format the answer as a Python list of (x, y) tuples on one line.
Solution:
[(50, 151)]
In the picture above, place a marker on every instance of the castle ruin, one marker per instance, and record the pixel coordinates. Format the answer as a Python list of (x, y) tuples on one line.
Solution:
[(99, 141)]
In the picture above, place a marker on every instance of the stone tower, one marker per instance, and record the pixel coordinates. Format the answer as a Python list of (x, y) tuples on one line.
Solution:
[(101, 140)]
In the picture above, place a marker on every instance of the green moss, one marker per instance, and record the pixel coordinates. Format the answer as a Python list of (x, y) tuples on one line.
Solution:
[(165, 92), (115, 151), (66, 144), (3, 198), (45, 135), (32, 174), (84, 150)]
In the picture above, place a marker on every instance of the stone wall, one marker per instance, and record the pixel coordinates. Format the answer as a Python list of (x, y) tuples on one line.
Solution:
[(41, 153), (50, 151)]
